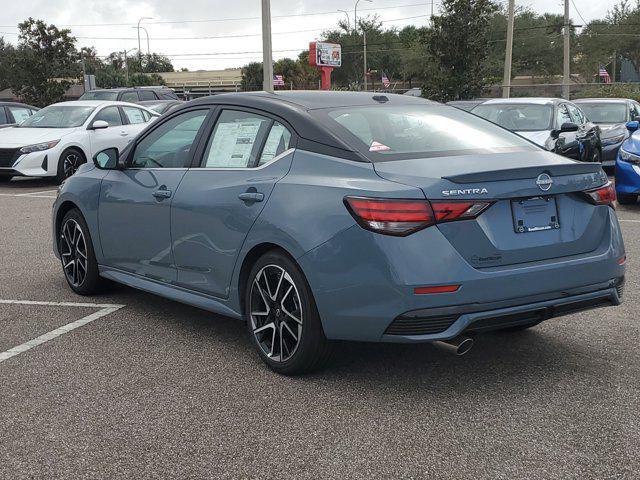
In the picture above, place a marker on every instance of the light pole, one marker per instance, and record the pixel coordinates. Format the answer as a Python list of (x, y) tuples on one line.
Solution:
[(364, 41), (139, 47), (347, 15), (267, 56), (147, 34), (506, 79), (566, 64), (126, 65)]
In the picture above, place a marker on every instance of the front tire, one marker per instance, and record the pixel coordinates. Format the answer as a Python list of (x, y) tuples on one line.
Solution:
[(282, 318), (68, 164), (627, 198), (77, 256)]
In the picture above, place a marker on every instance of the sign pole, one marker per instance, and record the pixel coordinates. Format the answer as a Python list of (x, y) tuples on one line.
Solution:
[(267, 57)]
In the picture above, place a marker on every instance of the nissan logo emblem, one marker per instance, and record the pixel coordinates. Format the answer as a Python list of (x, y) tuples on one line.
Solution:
[(544, 181)]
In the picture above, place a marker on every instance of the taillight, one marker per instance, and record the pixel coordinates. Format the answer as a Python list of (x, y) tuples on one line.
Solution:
[(392, 216), (604, 195)]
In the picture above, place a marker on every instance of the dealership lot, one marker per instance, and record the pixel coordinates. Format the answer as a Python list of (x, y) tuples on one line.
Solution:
[(150, 388)]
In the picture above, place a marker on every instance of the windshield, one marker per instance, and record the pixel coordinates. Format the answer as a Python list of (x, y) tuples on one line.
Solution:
[(100, 95), (413, 131), (605, 112), (58, 116), (517, 117)]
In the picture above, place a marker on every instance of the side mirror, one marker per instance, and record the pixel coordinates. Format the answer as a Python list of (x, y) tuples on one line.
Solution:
[(565, 128), (632, 126), (99, 125), (108, 159)]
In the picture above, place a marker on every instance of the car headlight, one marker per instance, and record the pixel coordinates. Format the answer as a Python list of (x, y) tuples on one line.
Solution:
[(629, 157), (613, 140), (39, 147)]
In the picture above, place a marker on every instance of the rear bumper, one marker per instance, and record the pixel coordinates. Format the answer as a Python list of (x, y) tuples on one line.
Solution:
[(363, 281)]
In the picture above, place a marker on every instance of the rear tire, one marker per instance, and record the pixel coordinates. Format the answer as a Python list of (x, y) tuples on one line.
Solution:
[(77, 256), (282, 319), (627, 198), (68, 164)]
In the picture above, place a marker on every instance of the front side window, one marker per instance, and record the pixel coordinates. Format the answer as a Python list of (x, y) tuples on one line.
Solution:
[(236, 139), (58, 116), (147, 95), (134, 115), (130, 97), (20, 114), (169, 145), (517, 117), (562, 116), (576, 114), (394, 132), (111, 115), (278, 141)]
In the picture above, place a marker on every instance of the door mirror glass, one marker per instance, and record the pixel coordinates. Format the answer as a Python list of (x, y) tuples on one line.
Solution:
[(568, 127), (107, 159), (633, 126), (99, 125)]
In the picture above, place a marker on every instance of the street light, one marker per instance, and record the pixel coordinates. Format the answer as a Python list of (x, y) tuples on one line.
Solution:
[(126, 65), (147, 33), (267, 55), (347, 15), (364, 40), (139, 48)]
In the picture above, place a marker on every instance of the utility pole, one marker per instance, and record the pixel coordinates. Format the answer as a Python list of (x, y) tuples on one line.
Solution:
[(267, 57), (614, 67), (364, 37), (566, 78), (506, 80), (139, 47)]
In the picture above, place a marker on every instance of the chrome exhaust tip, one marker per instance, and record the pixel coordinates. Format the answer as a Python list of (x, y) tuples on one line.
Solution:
[(458, 345)]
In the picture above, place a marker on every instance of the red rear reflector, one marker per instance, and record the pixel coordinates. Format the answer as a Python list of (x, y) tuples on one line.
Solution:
[(436, 289), (604, 195)]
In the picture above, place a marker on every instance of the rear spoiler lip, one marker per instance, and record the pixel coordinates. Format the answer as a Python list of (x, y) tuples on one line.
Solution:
[(523, 173)]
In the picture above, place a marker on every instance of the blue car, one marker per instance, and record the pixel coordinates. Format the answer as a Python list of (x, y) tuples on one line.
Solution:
[(320, 216), (628, 167)]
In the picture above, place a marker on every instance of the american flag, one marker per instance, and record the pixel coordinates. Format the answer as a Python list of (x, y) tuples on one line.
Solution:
[(385, 80), (604, 75), (278, 81)]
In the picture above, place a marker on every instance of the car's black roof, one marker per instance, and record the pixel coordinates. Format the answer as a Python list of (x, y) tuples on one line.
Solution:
[(295, 106)]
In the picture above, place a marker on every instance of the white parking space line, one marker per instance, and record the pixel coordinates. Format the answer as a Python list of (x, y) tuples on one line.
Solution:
[(24, 195), (629, 221), (30, 194), (105, 309)]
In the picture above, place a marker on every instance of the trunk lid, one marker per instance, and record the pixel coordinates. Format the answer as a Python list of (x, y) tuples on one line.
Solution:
[(511, 181)]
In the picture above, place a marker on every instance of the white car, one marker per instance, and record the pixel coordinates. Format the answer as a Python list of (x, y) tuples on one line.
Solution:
[(56, 140)]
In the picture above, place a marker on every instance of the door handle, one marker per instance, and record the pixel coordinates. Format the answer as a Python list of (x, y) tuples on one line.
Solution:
[(251, 197), (162, 193), (124, 134)]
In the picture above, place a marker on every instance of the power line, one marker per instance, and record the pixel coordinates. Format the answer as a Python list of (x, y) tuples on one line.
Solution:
[(578, 12)]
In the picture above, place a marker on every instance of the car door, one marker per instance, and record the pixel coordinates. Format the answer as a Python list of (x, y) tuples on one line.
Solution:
[(567, 143), (219, 199), (134, 213), (113, 136)]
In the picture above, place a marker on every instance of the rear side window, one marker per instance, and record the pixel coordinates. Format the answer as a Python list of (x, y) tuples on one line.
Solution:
[(147, 95), (277, 142), (111, 115), (130, 97), (393, 132), (3, 116), (169, 145), (236, 139), (134, 115), (169, 95)]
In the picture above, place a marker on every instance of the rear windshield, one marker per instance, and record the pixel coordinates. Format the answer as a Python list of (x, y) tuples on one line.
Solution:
[(605, 112), (395, 132), (518, 117), (58, 116), (100, 95)]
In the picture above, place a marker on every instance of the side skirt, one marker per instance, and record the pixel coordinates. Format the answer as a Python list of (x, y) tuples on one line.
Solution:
[(172, 292)]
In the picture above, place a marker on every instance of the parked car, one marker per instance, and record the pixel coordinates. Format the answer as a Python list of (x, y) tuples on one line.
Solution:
[(555, 124), (318, 216), (132, 95), (12, 113), (611, 115), (414, 92), (55, 141), (161, 106), (467, 105), (628, 167)]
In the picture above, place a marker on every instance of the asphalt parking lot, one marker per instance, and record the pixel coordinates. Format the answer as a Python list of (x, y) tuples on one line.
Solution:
[(141, 387)]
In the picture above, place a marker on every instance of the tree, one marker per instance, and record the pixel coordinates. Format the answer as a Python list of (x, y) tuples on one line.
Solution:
[(252, 77), (7, 53), (46, 63), (458, 44)]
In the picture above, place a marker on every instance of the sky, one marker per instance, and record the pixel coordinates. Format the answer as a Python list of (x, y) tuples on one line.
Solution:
[(182, 29)]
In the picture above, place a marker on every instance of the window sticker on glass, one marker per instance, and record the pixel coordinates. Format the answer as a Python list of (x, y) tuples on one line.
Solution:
[(378, 147), (232, 143)]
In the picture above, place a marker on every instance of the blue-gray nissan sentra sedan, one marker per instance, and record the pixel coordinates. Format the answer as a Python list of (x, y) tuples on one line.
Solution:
[(318, 216)]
